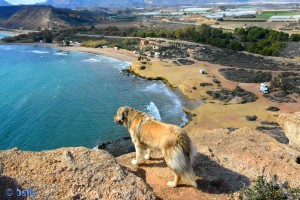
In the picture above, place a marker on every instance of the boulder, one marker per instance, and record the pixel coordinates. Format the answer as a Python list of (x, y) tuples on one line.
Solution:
[(291, 126), (68, 173)]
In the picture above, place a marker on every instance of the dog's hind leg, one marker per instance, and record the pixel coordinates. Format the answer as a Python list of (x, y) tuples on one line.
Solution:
[(139, 151), (148, 154), (175, 182)]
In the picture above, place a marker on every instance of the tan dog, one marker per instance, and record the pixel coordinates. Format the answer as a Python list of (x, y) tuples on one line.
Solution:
[(172, 141)]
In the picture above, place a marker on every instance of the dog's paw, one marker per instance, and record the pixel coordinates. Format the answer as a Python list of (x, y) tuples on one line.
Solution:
[(134, 162), (147, 156), (171, 184)]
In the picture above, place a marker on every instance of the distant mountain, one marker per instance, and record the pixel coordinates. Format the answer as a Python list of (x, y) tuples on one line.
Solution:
[(4, 3), (121, 3), (34, 17), (141, 3), (94, 3)]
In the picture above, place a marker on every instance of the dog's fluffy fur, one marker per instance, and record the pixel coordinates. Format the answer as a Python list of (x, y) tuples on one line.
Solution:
[(172, 141)]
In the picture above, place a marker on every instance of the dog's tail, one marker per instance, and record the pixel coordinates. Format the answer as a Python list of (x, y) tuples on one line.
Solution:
[(182, 157)]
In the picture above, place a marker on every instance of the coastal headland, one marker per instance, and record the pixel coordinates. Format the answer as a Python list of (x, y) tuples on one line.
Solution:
[(234, 68), (231, 153)]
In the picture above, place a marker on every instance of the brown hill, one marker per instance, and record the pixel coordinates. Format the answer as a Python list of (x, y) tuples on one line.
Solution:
[(34, 17)]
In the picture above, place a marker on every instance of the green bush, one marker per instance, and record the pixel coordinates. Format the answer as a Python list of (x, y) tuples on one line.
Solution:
[(94, 43), (264, 190), (295, 37)]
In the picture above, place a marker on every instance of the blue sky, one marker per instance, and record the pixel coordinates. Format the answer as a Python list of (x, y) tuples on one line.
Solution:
[(24, 1)]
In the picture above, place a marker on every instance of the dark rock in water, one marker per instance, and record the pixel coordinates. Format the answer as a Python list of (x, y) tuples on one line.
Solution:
[(118, 147), (273, 108), (251, 118), (127, 72)]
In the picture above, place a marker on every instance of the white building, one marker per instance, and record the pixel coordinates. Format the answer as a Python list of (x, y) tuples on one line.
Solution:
[(281, 19), (297, 17)]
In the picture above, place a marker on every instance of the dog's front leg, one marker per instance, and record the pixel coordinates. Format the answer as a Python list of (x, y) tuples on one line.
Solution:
[(148, 154), (139, 151)]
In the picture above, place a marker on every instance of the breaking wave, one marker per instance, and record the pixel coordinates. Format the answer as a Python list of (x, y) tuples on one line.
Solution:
[(91, 60), (153, 110), (176, 104), (40, 52)]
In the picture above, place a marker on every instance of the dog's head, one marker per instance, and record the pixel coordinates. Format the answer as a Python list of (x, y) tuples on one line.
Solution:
[(122, 114)]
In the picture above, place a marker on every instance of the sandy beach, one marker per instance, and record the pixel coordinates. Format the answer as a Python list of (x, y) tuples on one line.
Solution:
[(186, 79), (120, 54), (213, 114)]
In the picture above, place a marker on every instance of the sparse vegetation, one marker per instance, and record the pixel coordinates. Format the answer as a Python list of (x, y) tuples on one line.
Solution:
[(205, 84), (273, 108), (246, 76), (94, 43), (241, 60), (216, 81), (287, 82), (183, 61), (251, 118), (238, 94), (45, 36), (269, 123), (266, 190)]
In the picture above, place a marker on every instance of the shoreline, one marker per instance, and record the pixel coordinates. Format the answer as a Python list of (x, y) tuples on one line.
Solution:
[(202, 111), (127, 56), (14, 32)]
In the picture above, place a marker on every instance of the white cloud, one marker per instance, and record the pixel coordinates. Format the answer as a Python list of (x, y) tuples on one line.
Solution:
[(15, 2)]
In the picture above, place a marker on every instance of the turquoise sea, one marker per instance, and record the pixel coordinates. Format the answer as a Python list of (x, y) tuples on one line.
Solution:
[(51, 98)]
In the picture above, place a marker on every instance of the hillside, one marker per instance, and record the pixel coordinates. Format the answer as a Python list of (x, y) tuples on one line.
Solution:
[(4, 3), (141, 3), (34, 17)]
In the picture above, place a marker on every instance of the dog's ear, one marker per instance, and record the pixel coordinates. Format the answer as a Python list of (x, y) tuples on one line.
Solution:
[(125, 113)]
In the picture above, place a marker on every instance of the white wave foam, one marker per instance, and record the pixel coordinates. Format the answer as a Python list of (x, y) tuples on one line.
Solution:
[(40, 52), (91, 60), (153, 110), (116, 63), (162, 88), (61, 54), (120, 65), (5, 47)]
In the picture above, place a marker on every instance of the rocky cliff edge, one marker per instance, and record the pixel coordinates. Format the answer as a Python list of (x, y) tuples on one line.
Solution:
[(226, 162), (67, 173)]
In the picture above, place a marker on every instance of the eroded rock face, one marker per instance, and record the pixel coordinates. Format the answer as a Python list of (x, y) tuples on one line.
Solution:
[(291, 125), (249, 153), (68, 173)]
